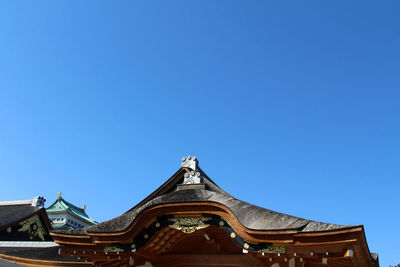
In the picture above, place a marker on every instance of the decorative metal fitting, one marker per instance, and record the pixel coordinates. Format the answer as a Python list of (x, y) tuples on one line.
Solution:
[(189, 224)]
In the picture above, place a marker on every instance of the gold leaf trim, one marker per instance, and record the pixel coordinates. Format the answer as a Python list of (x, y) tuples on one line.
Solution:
[(113, 249), (272, 249), (189, 225)]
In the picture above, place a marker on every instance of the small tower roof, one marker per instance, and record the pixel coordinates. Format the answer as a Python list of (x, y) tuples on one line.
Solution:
[(61, 205)]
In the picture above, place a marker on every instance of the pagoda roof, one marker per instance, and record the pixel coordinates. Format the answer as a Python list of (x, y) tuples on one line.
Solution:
[(63, 206), (250, 216)]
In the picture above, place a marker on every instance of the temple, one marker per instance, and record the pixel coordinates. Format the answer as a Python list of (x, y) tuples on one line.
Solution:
[(190, 221), (64, 215)]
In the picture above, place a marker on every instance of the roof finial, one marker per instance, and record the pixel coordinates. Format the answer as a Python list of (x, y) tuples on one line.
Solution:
[(84, 207), (194, 176), (190, 162), (59, 195), (38, 201)]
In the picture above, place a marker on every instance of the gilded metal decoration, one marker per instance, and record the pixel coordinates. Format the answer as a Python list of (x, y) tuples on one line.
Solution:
[(9, 229), (233, 235), (146, 236), (33, 227), (133, 245), (189, 224), (221, 223), (272, 249), (157, 224), (246, 246), (113, 249)]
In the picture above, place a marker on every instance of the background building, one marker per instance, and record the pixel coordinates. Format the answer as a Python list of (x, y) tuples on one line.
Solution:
[(65, 215)]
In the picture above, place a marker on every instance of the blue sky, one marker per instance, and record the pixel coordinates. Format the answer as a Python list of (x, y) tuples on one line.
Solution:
[(293, 106)]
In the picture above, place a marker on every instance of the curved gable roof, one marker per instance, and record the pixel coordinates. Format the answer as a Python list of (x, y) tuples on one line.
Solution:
[(250, 216)]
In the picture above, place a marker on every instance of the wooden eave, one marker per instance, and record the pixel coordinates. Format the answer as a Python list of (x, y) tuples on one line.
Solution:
[(36, 262)]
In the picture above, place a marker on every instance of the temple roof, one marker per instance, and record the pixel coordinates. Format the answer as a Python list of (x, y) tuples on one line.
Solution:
[(63, 206), (179, 189), (17, 210)]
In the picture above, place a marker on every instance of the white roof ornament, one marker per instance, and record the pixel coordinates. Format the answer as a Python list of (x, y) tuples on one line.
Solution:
[(190, 162), (194, 177), (38, 201)]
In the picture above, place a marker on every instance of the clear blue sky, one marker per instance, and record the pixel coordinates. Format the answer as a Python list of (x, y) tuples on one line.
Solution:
[(290, 105)]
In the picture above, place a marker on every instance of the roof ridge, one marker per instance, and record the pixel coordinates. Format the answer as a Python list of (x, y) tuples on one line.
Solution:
[(35, 201), (71, 205)]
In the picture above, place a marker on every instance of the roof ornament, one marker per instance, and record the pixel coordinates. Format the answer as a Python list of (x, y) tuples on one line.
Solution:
[(38, 201), (59, 195), (84, 207), (190, 162), (194, 176)]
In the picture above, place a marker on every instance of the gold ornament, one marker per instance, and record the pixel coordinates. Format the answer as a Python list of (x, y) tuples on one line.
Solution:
[(34, 227), (272, 249), (113, 249), (189, 225)]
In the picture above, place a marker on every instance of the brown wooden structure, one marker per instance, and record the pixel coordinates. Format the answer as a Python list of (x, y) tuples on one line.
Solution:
[(190, 221)]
